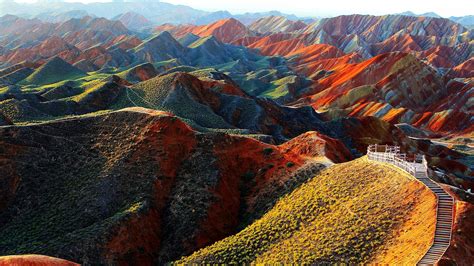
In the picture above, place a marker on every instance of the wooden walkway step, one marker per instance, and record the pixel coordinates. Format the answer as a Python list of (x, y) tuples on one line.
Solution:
[(445, 203)]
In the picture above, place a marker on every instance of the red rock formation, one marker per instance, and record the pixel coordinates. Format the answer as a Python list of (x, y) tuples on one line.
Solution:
[(466, 69), (124, 42), (396, 43), (178, 31), (247, 41), (54, 46), (281, 48), (34, 260), (313, 144), (226, 30), (263, 41), (312, 69), (446, 56), (315, 52), (97, 55), (212, 165)]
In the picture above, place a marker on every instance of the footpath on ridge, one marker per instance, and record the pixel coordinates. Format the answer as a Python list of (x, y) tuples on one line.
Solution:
[(445, 203)]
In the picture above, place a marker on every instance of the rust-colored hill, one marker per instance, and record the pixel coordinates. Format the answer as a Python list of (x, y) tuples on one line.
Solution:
[(396, 87), (281, 48), (54, 46), (127, 190), (465, 69), (34, 260), (226, 30)]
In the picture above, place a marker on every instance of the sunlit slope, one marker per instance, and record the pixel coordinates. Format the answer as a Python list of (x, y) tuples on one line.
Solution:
[(356, 212)]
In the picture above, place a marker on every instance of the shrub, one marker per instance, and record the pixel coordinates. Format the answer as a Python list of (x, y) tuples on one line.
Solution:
[(267, 151)]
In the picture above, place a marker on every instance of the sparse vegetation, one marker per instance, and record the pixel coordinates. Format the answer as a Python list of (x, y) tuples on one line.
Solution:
[(54, 71), (345, 214), (267, 151), (81, 198)]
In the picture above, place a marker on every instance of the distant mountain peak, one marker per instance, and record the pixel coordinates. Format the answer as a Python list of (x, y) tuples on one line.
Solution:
[(430, 14), (133, 20), (230, 22), (407, 13), (412, 14), (165, 35), (225, 30), (276, 23)]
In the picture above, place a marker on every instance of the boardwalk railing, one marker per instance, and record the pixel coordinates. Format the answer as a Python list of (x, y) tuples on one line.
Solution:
[(390, 154), (418, 167)]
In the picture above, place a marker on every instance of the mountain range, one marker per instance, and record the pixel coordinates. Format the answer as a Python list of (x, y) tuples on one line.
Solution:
[(156, 12), (141, 132)]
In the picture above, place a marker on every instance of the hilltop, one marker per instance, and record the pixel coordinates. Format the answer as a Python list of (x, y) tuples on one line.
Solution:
[(53, 71), (276, 24), (344, 214)]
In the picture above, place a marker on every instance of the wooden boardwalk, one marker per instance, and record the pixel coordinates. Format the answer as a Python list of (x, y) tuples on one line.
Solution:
[(445, 203)]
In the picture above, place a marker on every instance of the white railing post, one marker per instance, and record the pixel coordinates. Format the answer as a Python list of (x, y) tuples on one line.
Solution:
[(391, 154)]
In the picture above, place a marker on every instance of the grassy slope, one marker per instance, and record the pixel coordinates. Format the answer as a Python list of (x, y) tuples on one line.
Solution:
[(165, 93), (355, 212), (106, 179), (54, 71)]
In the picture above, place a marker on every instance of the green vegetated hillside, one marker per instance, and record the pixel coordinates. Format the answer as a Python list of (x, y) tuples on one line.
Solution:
[(174, 92), (54, 71), (349, 213)]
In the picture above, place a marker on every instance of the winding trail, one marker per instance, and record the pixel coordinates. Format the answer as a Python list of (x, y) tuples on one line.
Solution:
[(445, 203)]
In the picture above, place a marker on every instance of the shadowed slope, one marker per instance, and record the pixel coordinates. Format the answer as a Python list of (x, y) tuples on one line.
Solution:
[(4, 120), (222, 105), (53, 71), (133, 186), (159, 48)]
